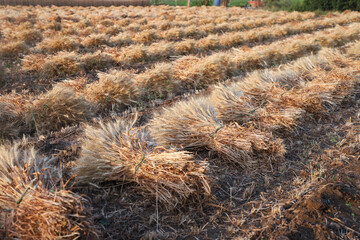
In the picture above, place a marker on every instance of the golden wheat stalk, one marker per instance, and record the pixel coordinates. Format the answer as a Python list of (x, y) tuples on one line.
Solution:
[(118, 151), (31, 207)]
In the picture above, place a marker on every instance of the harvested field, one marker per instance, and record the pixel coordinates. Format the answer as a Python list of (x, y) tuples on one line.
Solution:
[(178, 123)]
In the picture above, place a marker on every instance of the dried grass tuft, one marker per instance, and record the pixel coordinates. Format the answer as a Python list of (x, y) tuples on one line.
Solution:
[(30, 36), (194, 126), (173, 34), (180, 125), (96, 61), (353, 49), (160, 49), (208, 43), (56, 109), (9, 118), (62, 64), (133, 54), (31, 208), (158, 80), (114, 90), (59, 43), (203, 72), (95, 40), (118, 151), (185, 47), (13, 49), (121, 39), (250, 148), (33, 62), (146, 36)]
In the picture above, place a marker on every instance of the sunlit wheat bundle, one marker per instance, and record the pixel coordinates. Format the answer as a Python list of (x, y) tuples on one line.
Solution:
[(118, 151), (58, 43), (107, 22), (31, 207), (68, 31), (232, 104), (149, 26), (202, 72), (146, 36), (160, 49), (174, 34), (95, 40), (29, 36), (133, 27), (114, 90), (231, 39), (353, 49), (276, 117), (249, 148), (133, 54), (324, 92), (96, 61), (78, 85), (193, 125), (180, 125), (86, 31), (33, 62), (123, 22), (84, 23), (192, 31), (208, 43), (185, 47), (56, 109), (13, 49), (62, 64), (112, 30), (207, 28), (121, 39), (158, 80), (163, 25), (332, 58)]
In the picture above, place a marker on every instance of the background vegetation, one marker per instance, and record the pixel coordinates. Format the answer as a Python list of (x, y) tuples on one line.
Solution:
[(313, 5)]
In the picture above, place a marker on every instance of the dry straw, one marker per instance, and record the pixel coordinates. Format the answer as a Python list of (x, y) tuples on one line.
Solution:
[(30, 36), (34, 62), (193, 125), (279, 98), (158, 80), (95, 40), (56, 109), (114, 90), (62, 64), (58, 43), (13, 49), (145, 37), (9, 118), (202, 72), (118, 151), (96, 61), (133, 54), (353, 49), (31, 208)]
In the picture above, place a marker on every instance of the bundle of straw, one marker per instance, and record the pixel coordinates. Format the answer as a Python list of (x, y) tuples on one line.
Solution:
[(31, 207), (118, 151), (193, 125)]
